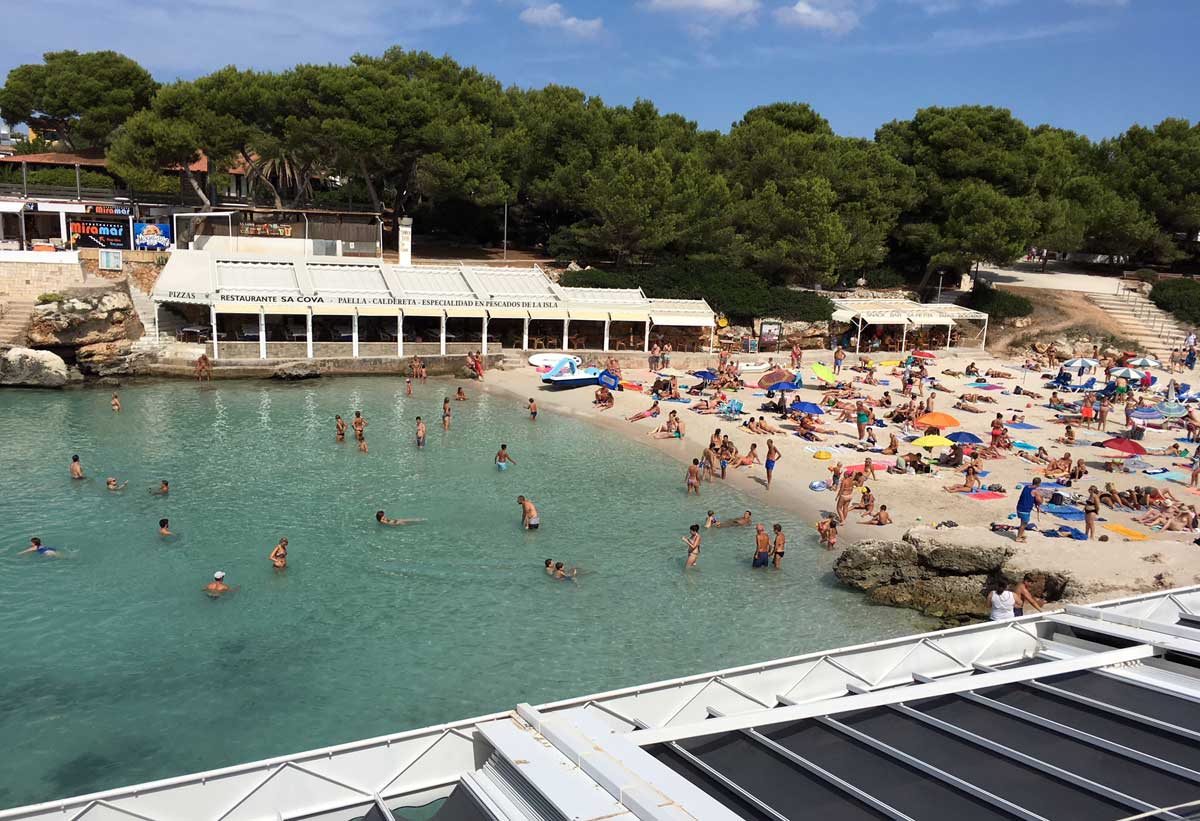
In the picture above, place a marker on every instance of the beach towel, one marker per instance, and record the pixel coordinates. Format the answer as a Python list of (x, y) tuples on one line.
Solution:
[(1024, 446), (1021, 426), (1064, 531), (1154, 472), (984, 495), (684, 401), (1195, 491), (881, 465), (1068, 512), (1173, 476), (1125, 531), (991, 387), (1046, 486)]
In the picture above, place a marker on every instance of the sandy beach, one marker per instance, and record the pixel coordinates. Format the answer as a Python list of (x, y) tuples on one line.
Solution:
[(1123, 563)]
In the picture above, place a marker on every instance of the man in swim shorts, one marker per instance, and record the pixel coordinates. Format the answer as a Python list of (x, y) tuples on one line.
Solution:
[(773, 456), (1029, 500), (36, 546), (532, 410), (529, 514), (76, 468), (420, 433), (503, 460), (762, 548), (777, 547)]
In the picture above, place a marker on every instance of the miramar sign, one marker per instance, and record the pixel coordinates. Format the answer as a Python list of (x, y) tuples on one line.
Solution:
[(301, 300)]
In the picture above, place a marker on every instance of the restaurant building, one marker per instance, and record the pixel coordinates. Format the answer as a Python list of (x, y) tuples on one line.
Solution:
[(262, 306)]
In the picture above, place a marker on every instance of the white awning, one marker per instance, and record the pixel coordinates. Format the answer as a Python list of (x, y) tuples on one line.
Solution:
[(548, 313), (10, 207), (463, 312), (423, 310), (931, 320), (508, 313), (689, 320), (236, 308), (588, 314), (379, 310), (628, 316)]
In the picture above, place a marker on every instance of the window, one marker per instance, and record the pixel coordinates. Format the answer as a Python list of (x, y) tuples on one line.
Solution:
[(110, 259)]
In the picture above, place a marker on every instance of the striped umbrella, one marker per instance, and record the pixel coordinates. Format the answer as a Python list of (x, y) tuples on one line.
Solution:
[(1171, 410), (1126, 373), (775, 377), (1143, 362), (1081, 362), (1146, 414)]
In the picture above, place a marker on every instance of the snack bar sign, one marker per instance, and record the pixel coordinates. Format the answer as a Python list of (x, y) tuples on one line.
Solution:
[(300, 300)]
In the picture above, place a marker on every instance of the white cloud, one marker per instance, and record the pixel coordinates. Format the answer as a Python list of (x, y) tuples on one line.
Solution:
[(553, 16), (719, 8), (833, 16)]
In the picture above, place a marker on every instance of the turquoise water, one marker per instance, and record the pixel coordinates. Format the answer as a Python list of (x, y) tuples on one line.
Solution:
[(117, 669)]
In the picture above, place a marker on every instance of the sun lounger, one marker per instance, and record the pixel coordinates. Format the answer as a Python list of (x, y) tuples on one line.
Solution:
[(1082, 388)]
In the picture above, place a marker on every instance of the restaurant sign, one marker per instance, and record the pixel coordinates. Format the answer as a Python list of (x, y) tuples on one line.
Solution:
[(96, 234), (111, 210), (301, 300)]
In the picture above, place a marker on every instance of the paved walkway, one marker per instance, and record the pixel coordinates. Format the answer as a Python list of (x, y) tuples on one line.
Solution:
[(1031, 276)]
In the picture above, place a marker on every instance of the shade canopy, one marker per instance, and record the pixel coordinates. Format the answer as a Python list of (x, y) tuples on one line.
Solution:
[(937, 420), (963, 437), (1126, 373), (1080, 362), (1124, 446), (823, 373), (1143, 362), (772, 378), (810, 408), (1171, 410), (932, 442)]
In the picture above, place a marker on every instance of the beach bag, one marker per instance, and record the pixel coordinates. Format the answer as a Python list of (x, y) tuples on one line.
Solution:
[(996, 487), (1056, 499)]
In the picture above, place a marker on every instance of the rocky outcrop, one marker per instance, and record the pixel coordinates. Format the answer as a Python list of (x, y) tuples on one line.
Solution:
[(943, 573), (86, 316), (26, 367), (291, 371), (108, 358)]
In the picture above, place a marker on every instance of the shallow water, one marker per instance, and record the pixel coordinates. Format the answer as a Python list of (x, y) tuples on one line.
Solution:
[(117, 669)]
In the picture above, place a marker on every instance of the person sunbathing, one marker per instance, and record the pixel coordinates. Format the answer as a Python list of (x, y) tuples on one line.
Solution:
[(995, 374), (971, 481), (966, 406), (1116, 465), (880, 518), (604, 398), (866, 503), (948, 372), (989, 452), (893, 446), (1078, 470), (648, 413), (1019, 391), (1019, 418), (1171, 450), (766, 427), (977, 397), (1110, 497), (1068, 437), (972, 370), (952, 458), (705, 405), (938, 386), (1058, 467), (1040, 456)]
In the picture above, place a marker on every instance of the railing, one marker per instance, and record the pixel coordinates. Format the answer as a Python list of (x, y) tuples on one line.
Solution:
[(185, 196)]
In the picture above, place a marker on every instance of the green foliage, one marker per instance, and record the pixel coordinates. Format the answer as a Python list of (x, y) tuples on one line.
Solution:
[(81, 98), (64, 177), (44, 299), (1146, 275), (1180, 297), (997, 303)]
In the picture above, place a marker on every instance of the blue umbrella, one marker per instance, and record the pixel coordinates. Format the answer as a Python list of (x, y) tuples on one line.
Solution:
[(1146, 413), (707, 376), (964, 438), (808, 407), (786, 386), (1172, 410)]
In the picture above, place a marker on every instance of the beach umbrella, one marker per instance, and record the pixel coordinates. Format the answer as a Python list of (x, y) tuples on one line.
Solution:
[(924, 355), (1146, 414), (932, 442), (1143, 362), (1124, 446), (707, 376), (773, 378), (1171, 410), (1126, 373), (786, 386), (964, 438), (1081, 362), (810, 408), (937, 420), (823, 373)]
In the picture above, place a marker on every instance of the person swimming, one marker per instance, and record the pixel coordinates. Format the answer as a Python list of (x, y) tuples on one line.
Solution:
[(36, 546), (164, 528), (740, 521), (111, 484), (561, 573), (76, 468), (384, 520), (164, 488), (460, 395), (503, 460), (217, 587)]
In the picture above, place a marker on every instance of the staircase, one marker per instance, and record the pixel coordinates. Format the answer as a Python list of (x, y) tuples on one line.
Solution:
[(14, 320), (1155, 331), (169, 322)]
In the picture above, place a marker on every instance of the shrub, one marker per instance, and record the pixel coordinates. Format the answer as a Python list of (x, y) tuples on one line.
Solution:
[(43, 299), (1180, 297), (1146, 275), (997, 303), (884, 279)]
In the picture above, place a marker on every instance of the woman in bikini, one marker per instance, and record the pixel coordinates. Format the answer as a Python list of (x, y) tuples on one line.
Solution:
[(278, 556), (692, 540)]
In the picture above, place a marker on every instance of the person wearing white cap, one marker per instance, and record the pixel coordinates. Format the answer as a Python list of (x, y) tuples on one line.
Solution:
[(217, 586)]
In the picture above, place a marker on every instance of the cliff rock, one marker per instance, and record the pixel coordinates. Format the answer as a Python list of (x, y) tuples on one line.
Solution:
[(86, 316), (107, 358), (291, 371), (34, 369)]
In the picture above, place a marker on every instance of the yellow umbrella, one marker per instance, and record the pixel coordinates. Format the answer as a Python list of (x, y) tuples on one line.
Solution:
[(823, 372), (932, 442)]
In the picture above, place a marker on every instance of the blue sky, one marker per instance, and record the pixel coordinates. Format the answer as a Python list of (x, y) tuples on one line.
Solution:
[(1095, 66)]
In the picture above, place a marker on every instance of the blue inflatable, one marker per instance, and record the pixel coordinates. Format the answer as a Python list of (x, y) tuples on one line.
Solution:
[(609, 380)]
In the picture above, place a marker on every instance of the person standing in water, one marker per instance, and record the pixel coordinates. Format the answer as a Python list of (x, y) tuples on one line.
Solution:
[(762, 547), (278, 556), (217, 587), (76, 468), (693, 478), (692, 540), (339, 428), (164, 527), (529, 514), (116, 403), (503, 460), (360, 426), (408, 386), (420, 433), (532, 406), (773, 456), (446, 413), (777, 548)]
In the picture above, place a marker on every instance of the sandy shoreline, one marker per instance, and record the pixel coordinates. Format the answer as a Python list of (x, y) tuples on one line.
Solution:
[(1116, 566)]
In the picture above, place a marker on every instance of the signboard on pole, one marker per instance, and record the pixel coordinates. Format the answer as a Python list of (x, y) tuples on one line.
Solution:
[(768, 336)]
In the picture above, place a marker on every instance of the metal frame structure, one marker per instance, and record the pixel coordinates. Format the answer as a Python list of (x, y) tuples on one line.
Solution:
[(1103, 701), (860, 313)]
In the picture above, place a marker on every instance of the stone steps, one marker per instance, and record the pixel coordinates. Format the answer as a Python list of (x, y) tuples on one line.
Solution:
[(15, 320), (1156, 331)]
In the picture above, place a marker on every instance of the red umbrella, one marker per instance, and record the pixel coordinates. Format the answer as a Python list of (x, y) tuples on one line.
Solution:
[(924, 355), (1124, 445)]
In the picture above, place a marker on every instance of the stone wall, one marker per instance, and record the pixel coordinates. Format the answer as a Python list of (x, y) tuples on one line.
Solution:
[(24, 281), (143, 267)]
